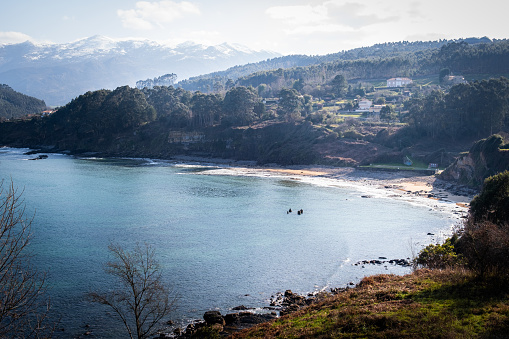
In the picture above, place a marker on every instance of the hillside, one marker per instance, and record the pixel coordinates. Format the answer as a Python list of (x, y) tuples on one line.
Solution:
[(425, 304), (316, 119), (16, 105), (380, 61), (163, 122), (485, 158), (58, 73)]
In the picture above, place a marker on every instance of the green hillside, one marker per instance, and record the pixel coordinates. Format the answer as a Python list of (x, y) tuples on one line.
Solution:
[(16, 105)]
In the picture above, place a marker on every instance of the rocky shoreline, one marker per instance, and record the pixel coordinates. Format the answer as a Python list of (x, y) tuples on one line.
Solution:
[(280, 305), (243, 317)]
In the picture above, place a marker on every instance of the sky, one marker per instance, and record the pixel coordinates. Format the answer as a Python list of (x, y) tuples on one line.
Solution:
[(312, 27)]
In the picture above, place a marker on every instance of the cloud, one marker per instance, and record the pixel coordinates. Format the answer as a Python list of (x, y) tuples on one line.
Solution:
[(298, 15), (319, 28), (357, 15), (328, 17), (414, 10), (148, 15), (13, 37)]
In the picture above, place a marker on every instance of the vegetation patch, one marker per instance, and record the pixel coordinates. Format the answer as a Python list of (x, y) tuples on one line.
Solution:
[(427, 303)]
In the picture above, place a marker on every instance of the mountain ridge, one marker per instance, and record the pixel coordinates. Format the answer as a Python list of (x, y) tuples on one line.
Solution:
[(57, 73)]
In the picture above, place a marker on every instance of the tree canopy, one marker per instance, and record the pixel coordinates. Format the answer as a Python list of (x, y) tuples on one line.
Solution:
[(492, 204), (15, 105), (478, 108)]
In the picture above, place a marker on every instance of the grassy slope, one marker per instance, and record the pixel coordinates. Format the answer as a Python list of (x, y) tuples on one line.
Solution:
[(425, 304)]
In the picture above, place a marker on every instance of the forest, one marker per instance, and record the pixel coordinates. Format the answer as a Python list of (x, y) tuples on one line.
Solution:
[(15, 105), (381, 61), (475, 109)]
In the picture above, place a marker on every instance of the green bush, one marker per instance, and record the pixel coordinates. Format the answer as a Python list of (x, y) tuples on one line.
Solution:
[(492, 204), (439, 256)]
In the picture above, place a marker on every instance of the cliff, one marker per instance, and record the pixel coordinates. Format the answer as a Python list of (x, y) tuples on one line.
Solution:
[(487, 157)]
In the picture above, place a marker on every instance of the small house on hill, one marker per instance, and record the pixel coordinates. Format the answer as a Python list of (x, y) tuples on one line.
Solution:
[(454, 80), (365, 104), (398, 82)]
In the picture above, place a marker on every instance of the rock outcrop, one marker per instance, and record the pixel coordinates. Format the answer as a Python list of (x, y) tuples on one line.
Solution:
[(487, 157)]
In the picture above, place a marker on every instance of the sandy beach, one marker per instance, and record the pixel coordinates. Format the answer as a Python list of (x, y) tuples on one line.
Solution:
[(399, 182), (402, 185)]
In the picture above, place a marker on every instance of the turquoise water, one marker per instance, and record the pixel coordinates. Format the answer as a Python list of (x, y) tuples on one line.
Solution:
[(222, 240)]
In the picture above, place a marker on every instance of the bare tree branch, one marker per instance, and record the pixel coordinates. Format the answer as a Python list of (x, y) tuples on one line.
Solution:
[(143, 300), (23, 305)]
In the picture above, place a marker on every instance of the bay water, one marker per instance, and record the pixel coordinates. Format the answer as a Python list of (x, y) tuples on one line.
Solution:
[(223, 238)]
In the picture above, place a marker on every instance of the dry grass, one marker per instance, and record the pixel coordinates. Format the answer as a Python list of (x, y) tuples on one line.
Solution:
[(425, 304)]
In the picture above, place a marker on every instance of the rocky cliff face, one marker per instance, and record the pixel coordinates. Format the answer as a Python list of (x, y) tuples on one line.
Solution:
[(487, 157)]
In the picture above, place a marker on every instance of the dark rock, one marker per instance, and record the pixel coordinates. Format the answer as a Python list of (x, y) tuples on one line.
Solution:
[(232, 319), (289, 309), (42, 156), (293, 298), (190, 329), (213, 317), (255, 318), (337, 290), (240, 308)]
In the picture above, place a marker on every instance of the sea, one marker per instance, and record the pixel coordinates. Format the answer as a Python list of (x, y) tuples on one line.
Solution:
[(223, 234)]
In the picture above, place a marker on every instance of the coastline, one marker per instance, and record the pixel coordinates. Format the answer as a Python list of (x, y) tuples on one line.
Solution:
[(399, 184), (402, 185), (408, 186)]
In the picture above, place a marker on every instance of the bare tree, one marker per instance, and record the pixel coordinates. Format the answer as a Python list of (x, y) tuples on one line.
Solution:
[(143, 300), (23, 303)]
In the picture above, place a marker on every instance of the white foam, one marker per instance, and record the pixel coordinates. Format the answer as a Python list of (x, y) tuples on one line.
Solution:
[(373, 189)]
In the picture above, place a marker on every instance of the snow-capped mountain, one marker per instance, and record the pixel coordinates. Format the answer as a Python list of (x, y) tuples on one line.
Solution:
[(58, 73)]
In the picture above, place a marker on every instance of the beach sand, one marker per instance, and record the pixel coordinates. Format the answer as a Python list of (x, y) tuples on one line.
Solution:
[(400, 182)]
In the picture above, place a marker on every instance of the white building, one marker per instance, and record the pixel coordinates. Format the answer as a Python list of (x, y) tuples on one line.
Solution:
[(365, 104), (398, 82)]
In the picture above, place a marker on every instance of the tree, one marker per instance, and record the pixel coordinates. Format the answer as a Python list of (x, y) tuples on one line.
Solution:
[(206, 109), (23, 305), (443, 73), (290, 104), (142, 300), (298, 85), (439, 256), (492, 203), (387, 113), (238, 106), (180, 116), (339, 85)]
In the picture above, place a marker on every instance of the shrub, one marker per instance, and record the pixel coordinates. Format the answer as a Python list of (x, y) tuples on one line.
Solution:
[(485, 246), (492, 204), (353, 134), (439, 256)]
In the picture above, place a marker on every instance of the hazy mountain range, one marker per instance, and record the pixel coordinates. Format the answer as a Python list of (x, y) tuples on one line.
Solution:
[(57, 73)]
